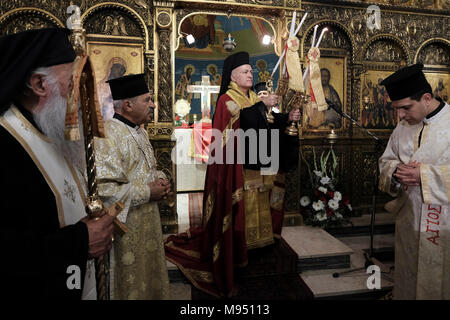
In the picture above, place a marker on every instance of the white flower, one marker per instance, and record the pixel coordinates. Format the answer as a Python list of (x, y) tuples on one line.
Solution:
[(337, 196), (325, 180), (323, 189), (338, 215), (318, 173), (333, 204), (321, 216), (182, 107), (304, 201), (349, 206), (318, 205)]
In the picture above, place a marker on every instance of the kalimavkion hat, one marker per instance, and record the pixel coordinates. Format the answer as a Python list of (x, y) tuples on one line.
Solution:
[(129, 86), (260, 86), (229, 64), (406, 82), (26, 51)]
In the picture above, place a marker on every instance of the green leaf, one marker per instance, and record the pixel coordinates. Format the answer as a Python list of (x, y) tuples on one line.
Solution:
[(307, 164), (314, 153)]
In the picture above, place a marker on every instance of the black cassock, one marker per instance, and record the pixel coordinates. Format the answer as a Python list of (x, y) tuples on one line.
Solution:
[(35, 251), (254, 117)]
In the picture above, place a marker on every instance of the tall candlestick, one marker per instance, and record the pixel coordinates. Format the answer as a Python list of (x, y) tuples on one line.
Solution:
[(314, 36), (321, 35)]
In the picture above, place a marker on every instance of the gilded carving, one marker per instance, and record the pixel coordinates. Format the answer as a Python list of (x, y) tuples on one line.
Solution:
[(110, 21), (115, 25), (165, 102), (19, 21), (435, 54), (163, 19), (384, 51)]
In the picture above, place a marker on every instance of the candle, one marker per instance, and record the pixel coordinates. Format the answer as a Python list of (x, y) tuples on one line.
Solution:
[(291, 31), (278, 63), (321, 35), (301, 22), (332, 137), (306, 73), (314, 36)]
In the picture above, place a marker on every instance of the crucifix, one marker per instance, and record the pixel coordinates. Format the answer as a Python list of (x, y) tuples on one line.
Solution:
[(206, 90)]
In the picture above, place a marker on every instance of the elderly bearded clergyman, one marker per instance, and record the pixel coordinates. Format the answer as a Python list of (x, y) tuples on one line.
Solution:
[(45, 234)]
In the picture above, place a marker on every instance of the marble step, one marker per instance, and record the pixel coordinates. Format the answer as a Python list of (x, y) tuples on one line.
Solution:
[(316, 249), (353, 285)]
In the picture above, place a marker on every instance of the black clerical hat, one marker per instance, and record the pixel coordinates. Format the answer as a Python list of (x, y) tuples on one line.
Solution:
[(230, 63), (406, 82), (25, 51), (129, 86), (260, 86)]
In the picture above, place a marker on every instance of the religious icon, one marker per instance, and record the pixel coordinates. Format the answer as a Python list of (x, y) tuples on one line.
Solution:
[(185, 80), (117, 67), (333, 75), (216, 79), (112, 60), (376, 111), (201, 26), (439, 83)]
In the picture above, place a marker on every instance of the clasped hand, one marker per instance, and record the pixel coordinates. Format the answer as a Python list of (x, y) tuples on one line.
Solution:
[(408, 174), (159, 189)]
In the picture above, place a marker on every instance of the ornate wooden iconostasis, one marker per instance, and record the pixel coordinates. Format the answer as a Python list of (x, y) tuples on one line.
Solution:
[(131, 36)]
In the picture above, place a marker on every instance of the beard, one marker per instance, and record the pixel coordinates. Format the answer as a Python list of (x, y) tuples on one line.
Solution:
[(51, 120)]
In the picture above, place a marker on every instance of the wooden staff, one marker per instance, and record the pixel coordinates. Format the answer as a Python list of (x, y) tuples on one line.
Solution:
[(85, 92)]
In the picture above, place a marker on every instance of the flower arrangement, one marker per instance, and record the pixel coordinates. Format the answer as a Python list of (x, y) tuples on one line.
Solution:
[(324, 206), (181, 108)]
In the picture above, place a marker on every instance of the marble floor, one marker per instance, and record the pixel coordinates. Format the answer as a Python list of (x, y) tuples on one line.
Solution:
[(316, 243)]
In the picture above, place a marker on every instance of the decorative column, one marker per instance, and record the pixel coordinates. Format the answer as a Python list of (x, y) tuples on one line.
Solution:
[(160, 133)]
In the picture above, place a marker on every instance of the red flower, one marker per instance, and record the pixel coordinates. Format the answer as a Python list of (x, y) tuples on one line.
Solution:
[(330, 194), (316, 192), (346, 200), (177, 118), (323, 199), (329, 212)]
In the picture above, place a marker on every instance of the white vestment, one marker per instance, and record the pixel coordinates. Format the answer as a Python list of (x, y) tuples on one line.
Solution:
[(125, 165), (422, 241)]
